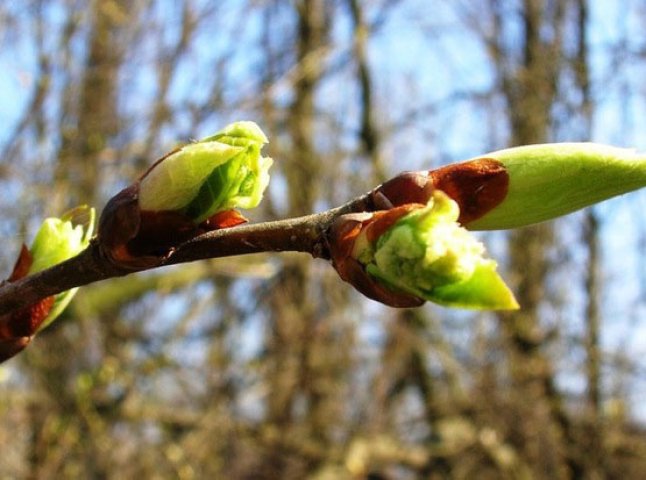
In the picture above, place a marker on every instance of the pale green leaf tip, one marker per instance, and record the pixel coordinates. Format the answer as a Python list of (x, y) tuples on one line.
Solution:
[(485, 290), (239, 132), (57, 240), (428, 254), (547, 181), (220, 172)]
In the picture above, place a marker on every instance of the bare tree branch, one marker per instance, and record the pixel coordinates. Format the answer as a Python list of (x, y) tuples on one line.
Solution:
[(302, 234)]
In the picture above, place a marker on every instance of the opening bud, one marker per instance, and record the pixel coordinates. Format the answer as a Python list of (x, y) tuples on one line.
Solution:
[(215, 174), (421, 251), (193, 189), (57, 240), (521, 186)]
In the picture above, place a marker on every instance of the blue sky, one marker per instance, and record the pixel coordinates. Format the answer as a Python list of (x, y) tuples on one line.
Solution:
[(409, 77)]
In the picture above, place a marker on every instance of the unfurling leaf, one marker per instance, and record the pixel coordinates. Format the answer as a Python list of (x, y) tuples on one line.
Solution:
[(57, 240), (190, 191), (420, 251), (218, 173)]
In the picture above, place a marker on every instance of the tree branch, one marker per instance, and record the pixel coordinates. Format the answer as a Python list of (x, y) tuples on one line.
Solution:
[(302, 234)]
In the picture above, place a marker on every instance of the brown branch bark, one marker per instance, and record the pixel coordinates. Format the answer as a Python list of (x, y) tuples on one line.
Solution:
[(302, 234)]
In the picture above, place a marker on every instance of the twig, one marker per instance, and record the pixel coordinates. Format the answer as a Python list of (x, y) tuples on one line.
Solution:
[(303, 234)]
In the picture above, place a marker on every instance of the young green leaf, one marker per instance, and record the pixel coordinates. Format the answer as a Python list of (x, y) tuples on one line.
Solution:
[(549, 180), (413, 252), (428, 254), (221, 172), (57, 240)]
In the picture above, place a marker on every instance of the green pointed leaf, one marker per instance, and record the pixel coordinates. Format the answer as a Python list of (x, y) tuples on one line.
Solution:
[(174, 182), (484, 290), (550, 180), (218, 173), (428, 254), (57, 240)]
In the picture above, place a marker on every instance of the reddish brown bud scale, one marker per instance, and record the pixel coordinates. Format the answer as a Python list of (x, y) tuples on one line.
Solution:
[(119, 226), (160, 231), (343, 234), (477, 186), (224, 219), (119, 223), (18, 328), (134, 238), (407, 187), (25, 322), (22, 265)]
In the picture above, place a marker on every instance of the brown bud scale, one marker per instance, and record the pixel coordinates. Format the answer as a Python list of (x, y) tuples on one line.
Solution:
[(343, 234), (477, 186)]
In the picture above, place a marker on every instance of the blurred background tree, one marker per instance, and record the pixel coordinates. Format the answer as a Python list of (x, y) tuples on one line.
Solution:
[(269, 367)]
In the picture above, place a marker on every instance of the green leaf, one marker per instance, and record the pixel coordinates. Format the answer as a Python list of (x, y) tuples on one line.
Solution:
[(428, 254), (220, 172), (175, 181), (484, 290), (57, 240), (218, 188), (550, 180)]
